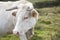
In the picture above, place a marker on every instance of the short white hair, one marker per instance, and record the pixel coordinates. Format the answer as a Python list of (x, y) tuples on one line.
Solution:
[(22, 0)]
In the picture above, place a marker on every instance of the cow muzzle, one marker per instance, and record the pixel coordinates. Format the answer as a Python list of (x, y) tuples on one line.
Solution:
[(16, 33)]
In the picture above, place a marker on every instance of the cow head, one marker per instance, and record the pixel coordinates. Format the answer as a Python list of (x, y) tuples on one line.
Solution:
[(24, 12)]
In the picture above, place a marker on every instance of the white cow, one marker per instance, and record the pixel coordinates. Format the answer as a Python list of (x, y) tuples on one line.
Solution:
[(24, 19), (6, 19)]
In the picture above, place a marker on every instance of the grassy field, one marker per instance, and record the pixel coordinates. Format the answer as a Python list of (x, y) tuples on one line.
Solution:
[(48, 25)]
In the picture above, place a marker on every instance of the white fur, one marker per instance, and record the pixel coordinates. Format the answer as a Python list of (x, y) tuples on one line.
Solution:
[(22, 25)]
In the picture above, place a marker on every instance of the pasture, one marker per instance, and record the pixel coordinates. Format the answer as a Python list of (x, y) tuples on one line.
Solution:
[(48, 25)]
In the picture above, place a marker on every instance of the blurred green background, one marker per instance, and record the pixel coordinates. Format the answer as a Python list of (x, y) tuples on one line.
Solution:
[(48, 25)]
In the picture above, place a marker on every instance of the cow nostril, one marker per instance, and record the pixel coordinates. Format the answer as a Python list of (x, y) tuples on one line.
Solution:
[(17, 33)]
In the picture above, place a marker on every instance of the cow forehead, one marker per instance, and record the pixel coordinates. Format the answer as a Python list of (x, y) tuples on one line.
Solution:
[(27, 5)]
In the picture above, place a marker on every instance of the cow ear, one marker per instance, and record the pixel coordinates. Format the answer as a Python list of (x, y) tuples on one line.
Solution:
[(34, 13), (14, 14)]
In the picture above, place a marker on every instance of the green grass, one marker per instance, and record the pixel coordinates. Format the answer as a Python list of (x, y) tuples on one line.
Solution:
[(40, 0), (9, 37), (48, 25)]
